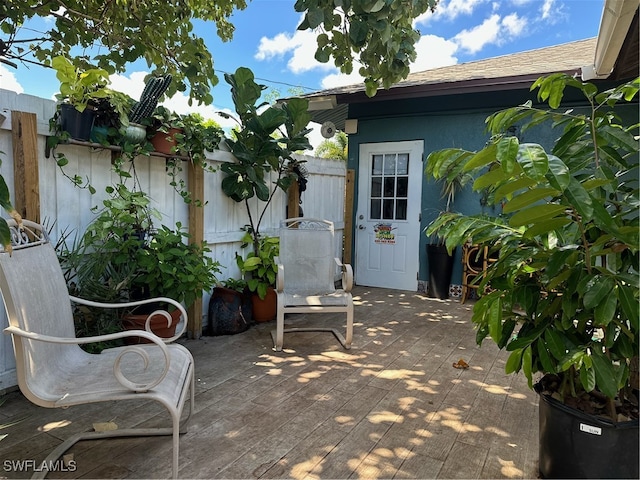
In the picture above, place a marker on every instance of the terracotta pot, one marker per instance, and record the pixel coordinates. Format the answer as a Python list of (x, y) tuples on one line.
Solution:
[(265, 310), (158, 325), (165, 142)]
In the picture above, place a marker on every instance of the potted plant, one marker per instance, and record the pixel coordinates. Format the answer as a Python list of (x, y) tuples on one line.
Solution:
[(121, 257), (78, 90), (260, 270), (263, 146), (230, 309), (111, 125), (440, 259), (564, 283)]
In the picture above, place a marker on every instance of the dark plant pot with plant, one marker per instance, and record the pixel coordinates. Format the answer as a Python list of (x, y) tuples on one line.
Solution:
[(79, 90), (230, 309), (77, 124), (563, 283), (440, 270), (578, 445)]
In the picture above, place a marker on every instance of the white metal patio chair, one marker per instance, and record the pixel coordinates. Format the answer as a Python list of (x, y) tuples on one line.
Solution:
[(53, 371), (306, 277)]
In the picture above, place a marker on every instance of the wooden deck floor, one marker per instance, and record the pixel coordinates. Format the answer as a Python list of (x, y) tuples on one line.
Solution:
[(391, 407)]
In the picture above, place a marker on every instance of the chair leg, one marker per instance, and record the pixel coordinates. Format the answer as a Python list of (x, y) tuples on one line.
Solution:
[(279, 338), (349, 333)]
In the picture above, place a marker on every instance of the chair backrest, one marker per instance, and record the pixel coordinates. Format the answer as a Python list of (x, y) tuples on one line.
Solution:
[(36, 300), (307, 252)]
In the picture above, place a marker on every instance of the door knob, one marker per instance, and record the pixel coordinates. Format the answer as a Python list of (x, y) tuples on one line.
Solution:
[(361, 227)]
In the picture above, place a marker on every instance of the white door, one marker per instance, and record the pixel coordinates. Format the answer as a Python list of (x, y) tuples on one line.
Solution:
[(388, 214)]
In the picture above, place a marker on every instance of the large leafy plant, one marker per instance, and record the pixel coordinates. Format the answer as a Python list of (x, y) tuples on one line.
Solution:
[(563, 291), (263, 146)]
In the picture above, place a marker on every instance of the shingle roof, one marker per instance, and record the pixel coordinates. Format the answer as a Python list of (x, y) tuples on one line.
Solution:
[(559, 58)]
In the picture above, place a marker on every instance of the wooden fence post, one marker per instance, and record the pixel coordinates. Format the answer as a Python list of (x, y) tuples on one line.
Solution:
[(349, 186), (24, 129), (293, 201), (196, 230)]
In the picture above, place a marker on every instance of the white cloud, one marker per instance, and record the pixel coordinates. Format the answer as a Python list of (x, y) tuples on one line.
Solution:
[(8, 80), (301, 46), (514, 25), (474, 39), (494, 30), (450, 10), (552, 12), (434, 52)]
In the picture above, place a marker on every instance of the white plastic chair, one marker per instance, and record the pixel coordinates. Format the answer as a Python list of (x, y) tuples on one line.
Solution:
[(306, 277), (53, 371)]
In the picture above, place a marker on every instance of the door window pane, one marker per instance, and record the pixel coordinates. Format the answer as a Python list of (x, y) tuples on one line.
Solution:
[(389, 187), (403, 164), (390, 164), (401, 190), (387, 209), (401, 209), (376, 187), (376, 168), (376, 209)]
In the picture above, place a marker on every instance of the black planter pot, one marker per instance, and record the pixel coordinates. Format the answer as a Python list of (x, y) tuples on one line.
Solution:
[(78, 124), (440, 270), (574, 444), (229, 312)]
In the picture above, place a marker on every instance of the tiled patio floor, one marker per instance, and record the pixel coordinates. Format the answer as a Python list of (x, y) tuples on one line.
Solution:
[(391, 407)]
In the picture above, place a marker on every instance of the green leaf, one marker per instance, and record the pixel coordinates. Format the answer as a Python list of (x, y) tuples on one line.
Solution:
[(605, 310), (554, 341), (495, 320), (544, 357), (534, 160), (527, 365), (605, 374), (489, 179), (579, 198), (514, 362), (588, 378), (629, 303), (598, 288), (536, 214), (481, 158), (507, 153), (559, 175), (546, 226), (527, 198)]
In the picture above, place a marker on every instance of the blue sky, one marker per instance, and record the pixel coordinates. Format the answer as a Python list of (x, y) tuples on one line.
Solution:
[(266, 40)]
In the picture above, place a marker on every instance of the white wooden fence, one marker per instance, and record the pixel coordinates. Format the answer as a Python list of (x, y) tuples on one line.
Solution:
[(66, 208)]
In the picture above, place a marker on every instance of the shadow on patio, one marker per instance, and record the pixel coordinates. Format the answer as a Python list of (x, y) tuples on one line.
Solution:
[(391, 407)]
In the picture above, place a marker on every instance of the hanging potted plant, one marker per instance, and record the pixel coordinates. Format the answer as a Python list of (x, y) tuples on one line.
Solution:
[(564, 283)]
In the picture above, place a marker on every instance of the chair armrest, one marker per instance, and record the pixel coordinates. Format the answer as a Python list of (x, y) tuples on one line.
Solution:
[(117, 371), (280, 279), (164, 313), (347, 275)]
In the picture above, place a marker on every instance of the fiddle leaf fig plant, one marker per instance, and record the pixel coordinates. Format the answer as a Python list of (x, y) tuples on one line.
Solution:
[(563, 290), (263, 146)]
